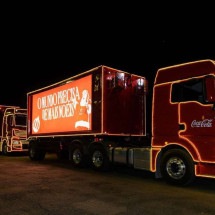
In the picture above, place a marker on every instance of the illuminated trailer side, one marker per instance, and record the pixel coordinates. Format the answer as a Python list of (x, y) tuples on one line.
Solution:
[(101, 106)]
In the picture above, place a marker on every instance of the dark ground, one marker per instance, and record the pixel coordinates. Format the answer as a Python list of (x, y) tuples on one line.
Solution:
[(54, 187)]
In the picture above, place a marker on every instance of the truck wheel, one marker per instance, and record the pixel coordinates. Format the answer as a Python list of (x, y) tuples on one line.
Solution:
[(177, 167), (4, 149), (99, 159), (76, 156), (35, 154)]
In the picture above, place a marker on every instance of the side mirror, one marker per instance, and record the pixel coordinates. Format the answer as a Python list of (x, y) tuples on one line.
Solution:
[(210, 89)]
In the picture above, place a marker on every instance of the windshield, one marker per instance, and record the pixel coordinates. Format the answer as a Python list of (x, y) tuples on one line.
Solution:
[(21, 120)]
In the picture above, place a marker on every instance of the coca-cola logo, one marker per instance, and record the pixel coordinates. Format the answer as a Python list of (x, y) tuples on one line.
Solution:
[(36, 124), (202, 123)]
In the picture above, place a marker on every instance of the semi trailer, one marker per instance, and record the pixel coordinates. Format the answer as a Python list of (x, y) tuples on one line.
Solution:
[(106, 116)]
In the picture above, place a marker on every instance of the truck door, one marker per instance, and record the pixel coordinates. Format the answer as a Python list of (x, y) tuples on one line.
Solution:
[(9, 124), (196, 116)]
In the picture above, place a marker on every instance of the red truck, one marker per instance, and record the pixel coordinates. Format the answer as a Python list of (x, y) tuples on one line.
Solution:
[(101, 117), (13, 130)]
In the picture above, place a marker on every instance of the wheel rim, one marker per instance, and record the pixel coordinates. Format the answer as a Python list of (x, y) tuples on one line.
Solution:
[(176, 168), (76, 157), (97, 159)]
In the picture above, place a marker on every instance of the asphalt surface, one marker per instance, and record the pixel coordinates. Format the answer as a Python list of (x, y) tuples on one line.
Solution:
[(53, 187)]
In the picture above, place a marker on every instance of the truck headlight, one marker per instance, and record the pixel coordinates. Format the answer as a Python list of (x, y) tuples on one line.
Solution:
[(15, 142)]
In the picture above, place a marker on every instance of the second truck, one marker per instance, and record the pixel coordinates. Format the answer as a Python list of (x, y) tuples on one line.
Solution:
[(102, 117), (13, 130)]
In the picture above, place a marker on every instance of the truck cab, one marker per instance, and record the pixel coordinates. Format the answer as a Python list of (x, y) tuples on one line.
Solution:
[(13, 130), (184, 121)]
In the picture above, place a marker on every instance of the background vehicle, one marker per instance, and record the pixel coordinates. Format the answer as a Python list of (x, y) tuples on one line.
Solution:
[(101, 117), (13, 122)]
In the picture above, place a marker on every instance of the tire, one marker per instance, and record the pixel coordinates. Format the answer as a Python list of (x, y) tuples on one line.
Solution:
[(76, 156), (35, 154), (177, 167), (4, 149), (98, 159)]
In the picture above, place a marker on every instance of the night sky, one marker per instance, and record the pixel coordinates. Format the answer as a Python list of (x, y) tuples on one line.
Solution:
[(44, 45)]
